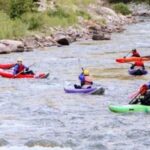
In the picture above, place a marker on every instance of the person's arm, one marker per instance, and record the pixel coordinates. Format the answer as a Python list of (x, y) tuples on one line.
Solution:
[(26, 68), (132, 67), (81, 77), (15, 69)]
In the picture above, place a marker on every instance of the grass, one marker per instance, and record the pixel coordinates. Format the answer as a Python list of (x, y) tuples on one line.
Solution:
[(121, 8), (11, 28), (65, 14)]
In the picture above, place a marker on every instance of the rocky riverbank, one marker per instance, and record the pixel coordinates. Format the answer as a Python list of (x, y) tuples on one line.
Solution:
[(104, 22)]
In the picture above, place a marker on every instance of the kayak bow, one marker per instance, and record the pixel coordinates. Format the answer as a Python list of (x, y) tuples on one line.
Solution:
[(129, 108)]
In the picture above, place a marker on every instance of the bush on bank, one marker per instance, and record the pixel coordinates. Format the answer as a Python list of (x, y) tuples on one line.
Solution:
[(121, 8)]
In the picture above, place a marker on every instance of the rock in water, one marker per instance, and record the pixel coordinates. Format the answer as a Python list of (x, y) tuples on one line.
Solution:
[(101, 36), (63, 41)]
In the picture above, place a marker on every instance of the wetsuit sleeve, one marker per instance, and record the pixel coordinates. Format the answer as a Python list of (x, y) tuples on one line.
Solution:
[(26, 68), (15, 70), (81, 77)]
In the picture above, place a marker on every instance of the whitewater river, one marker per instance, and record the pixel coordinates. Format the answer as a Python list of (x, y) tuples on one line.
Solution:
[(38, 115)]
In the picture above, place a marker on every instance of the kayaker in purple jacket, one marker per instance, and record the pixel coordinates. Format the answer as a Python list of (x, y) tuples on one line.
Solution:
[(85, 80), (20, 68)]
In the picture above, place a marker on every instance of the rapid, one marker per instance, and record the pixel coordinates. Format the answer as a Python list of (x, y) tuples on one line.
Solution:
[(36, 114)]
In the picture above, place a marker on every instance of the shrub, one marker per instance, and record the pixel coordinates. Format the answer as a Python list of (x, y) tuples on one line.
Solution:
[(19, 7), (33, 20), (121, 8), (84, 14), (59, 12), (11, 28)]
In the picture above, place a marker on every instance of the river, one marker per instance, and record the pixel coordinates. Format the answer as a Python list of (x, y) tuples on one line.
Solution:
[(39, 115)]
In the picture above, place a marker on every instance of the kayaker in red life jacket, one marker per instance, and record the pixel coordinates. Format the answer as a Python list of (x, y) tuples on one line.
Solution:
[(138, 65), (20, 68), (135, 53), (85, 80), (144, 95)]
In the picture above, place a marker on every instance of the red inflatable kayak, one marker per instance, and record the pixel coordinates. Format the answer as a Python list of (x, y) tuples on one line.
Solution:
[(132, 59), (10, 75), (6, 66)]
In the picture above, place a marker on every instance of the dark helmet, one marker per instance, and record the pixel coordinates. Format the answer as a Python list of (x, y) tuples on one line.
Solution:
[(133, 50)]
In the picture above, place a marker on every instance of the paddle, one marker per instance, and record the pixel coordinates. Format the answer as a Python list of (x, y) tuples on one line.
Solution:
[(22, 71), (126, 55), (145, 56), (131, 96), (79, 62), (134, 99)]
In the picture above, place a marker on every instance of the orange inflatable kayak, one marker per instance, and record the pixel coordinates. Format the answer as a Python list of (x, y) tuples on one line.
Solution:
[(132, 59)]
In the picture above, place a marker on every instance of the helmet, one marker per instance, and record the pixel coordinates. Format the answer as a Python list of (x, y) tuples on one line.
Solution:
[(133, 50), (86, 72), (19, 59)]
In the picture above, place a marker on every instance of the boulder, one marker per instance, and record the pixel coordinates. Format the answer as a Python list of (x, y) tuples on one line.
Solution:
[(4, 49), (62, 40), (101, 36), (13, 45)]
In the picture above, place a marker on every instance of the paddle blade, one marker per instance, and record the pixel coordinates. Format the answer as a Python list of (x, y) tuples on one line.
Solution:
[(119, 60), (133, 95)]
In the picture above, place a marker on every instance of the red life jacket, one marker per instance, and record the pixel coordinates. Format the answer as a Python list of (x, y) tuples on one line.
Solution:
[(20, 68), (139, 64), (88, 80), (135, 54)]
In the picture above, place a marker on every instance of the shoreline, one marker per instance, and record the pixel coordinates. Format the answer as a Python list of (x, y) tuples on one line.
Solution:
[(84, 30)]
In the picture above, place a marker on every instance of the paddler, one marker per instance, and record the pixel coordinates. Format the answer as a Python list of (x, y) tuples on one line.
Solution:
[(143, 96), (135, 53), (19, 68), (85, 80), (138, 65)]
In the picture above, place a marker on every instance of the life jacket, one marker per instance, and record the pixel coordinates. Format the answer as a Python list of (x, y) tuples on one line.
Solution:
[(88, 80), (135, 54), (139, 64), (20, 68)]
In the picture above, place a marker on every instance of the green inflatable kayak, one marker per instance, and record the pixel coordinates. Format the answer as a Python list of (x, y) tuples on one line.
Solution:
[(129, 108)]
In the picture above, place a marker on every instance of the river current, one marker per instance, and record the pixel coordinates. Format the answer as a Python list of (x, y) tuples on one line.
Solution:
[(38, 115)]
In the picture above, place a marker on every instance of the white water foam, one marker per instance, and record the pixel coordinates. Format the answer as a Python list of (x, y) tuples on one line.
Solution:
[(33, 148)]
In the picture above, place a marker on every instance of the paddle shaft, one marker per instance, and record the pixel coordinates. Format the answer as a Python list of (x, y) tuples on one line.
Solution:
[(133, 100), (127, 54), (79, 62)]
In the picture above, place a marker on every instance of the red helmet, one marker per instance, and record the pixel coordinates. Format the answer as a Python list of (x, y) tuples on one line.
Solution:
[(143, 89)]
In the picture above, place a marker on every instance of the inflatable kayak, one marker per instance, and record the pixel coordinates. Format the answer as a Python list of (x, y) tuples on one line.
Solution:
[(10, 75), (137, 72), (94, 90), (6, 66), (129, 108), (132, 59)]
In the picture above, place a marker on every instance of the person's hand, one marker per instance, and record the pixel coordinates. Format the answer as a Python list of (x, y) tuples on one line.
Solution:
[(27, 69), (132, 67)]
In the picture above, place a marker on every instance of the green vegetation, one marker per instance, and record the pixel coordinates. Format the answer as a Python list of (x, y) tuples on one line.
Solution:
[(11, 28), (121, 8), (17, 17), (127, 1)]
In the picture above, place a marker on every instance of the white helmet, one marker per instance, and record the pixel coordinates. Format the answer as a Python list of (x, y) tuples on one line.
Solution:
[(20, 59)]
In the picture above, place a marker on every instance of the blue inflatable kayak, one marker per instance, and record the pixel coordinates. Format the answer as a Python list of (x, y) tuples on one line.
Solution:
[(137, 72)]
